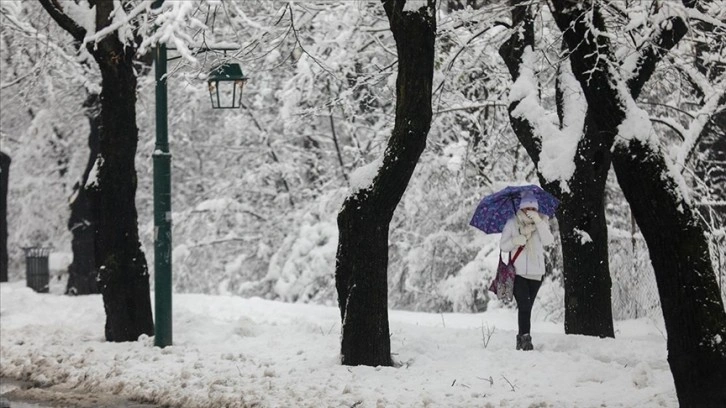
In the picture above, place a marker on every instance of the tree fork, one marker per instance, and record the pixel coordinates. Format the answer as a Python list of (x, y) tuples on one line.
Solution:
[(581, 214)]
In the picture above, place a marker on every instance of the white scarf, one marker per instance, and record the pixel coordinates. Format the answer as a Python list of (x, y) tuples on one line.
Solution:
[(526, 227), (525, 224)]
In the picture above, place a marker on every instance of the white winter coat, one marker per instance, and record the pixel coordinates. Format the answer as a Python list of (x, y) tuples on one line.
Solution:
[(530, 263)]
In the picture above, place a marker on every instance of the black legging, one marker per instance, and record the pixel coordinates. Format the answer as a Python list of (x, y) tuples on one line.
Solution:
[(525, 290)]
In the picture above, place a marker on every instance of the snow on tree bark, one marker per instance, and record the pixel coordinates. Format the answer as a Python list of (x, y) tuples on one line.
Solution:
[(586, 270), (123, 271), (363, 221), (692, 307)]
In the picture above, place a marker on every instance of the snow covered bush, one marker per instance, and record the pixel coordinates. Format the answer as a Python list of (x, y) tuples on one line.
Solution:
[(303, 268)]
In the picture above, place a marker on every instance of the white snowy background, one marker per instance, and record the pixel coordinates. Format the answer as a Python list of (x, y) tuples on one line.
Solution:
[(255, 196)]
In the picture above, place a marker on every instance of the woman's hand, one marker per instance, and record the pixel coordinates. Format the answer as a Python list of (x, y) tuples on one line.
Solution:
[(534, 216)]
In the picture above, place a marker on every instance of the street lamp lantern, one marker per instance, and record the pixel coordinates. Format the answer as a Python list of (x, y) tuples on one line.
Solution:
[(225, 86)]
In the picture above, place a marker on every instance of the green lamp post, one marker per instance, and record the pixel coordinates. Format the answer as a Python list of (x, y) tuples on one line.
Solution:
[(225, 87), (162, 205)]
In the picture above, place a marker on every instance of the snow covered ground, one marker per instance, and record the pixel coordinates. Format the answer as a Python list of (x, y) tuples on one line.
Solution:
[(236, 352)]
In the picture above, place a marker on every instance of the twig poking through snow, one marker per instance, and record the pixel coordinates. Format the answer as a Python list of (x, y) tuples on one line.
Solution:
[(490, 379), (486, 336), (508, 382)]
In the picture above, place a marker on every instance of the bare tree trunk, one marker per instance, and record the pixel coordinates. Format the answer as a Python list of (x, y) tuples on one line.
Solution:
[(123, 272), (692, 308), (361, 273), (82, 273), (4, 187)]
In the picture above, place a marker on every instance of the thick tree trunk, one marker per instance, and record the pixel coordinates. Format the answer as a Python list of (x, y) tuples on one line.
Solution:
[(82, 273), (4, 186), (361, 273), (361, 277), (586, 268), (587, 283), (581, 215), (692, 308), (123, 272)]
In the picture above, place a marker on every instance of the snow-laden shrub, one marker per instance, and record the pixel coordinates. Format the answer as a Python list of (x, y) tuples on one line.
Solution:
[(216, 248), (467, 291), (303, 268)]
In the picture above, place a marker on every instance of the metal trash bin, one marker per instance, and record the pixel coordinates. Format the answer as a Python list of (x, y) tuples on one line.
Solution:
[(37, 270)]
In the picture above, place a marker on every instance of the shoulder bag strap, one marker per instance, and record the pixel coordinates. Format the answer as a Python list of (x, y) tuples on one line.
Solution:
[(516, 254)]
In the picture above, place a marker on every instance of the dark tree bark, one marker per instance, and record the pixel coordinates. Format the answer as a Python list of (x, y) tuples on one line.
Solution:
[(693, 310), (4, 186), (363, 222), (584, 207), (82, 273), (586, 272), (604, 115), (123, 272), (692, 307)]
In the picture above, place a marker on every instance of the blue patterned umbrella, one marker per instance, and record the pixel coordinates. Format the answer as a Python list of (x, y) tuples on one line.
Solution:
[(495, 209)]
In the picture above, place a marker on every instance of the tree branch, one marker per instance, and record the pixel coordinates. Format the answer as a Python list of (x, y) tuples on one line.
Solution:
[(673, 125), (584, 31), (512, 51), (67, 23), (657, 47)]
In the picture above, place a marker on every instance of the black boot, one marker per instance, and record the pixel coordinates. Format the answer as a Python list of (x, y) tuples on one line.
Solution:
[(527, 342), (519, 342)]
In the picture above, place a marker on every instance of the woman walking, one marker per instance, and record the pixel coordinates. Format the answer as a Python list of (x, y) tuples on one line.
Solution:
[(530, 231)]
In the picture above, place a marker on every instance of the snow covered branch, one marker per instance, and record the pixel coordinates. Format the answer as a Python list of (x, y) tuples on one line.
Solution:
[(668, 33), (119, 24), (58, 14), (713, 103)]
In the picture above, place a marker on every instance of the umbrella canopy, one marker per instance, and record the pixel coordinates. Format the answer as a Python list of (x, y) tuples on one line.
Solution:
[(495, 209)]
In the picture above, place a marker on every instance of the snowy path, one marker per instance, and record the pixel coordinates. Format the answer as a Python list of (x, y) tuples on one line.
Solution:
[(236, 352), (16, 394)]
